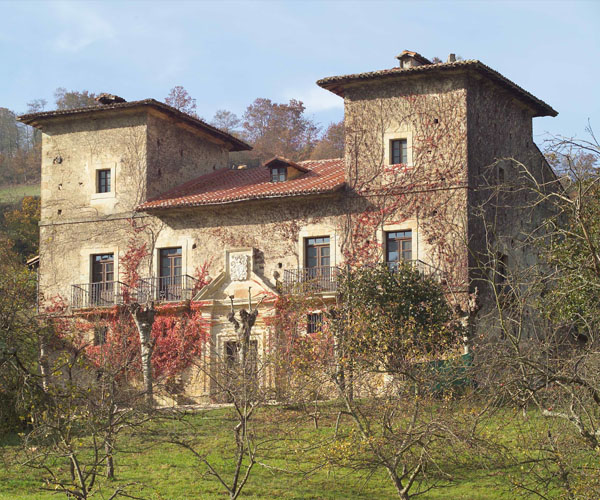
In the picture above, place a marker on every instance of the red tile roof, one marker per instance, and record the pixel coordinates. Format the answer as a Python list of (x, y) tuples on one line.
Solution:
[(280, 160), (228, 186)]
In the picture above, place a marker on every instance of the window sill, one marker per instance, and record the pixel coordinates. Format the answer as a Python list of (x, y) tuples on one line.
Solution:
[(102, 196)]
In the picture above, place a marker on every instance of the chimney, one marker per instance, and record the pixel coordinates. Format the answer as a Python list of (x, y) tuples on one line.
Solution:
[(105, 99), (409, 59), (451, 58)]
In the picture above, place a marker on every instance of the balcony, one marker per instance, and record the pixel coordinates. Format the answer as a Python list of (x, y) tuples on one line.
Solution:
[(104, 294), (310, 280), (111, 293), (325, 279), (167, 289), (426, 270)]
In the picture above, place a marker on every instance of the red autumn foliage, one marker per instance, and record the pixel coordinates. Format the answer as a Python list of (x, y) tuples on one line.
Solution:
[(179, 331), (179, 337), (202, 276), (131, 261)]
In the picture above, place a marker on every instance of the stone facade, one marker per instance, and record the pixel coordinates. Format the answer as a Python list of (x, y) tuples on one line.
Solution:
[(454, 124)]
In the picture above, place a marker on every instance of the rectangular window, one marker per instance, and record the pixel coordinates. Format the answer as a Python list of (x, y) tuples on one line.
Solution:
[(398, 247), (278, 174), (100, 335), (103, 181), (317, 252), (103, 268), (317, 262), (398, 151), (102, 287), (169, 285), (314, 323)]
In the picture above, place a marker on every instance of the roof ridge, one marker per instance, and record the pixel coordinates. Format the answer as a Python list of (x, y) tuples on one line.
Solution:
[(323, 159), (398, 69), (31, 118), (332, 83)]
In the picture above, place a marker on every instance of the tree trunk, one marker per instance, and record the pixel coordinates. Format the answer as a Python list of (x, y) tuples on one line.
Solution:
[(110, 464), (400, 489), (144, 319), (43, 360), (109, 443)]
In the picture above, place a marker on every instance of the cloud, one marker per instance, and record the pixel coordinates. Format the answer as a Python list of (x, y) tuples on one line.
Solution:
[(316, 99), (80, 26)]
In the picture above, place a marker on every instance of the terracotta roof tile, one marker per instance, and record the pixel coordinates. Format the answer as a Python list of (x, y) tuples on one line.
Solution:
[(336, 84), (228, 186)]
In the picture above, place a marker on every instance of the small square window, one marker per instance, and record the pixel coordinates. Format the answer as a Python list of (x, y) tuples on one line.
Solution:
[(398, 151), (278, 174), (103, 181), (314, 323)]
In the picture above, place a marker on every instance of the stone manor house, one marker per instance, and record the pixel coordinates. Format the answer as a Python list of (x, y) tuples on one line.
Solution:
[(420, 138)]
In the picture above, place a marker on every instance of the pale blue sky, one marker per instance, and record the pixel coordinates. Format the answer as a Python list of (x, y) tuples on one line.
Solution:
[(228, 53)]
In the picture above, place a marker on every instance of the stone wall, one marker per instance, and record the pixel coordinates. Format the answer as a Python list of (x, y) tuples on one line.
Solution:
[(277, 230), (432, 117), (178, 153), (74, 148), (455, 128), (503, 210)]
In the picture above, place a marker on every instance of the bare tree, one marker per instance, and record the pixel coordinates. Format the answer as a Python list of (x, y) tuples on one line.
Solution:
[(544, 341), (226, 121), (180, 99), (237, 378), (74, 99), (77, 414), (279, 129), (331, 144)]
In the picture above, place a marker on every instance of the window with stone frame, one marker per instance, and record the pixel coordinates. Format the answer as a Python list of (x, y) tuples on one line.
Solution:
[(398, 247), (170, 273), (398, 151), (317, 252), (103, 181), (102, 286)]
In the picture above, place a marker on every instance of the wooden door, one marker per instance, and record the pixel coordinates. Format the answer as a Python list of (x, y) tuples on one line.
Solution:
[(170, 278)]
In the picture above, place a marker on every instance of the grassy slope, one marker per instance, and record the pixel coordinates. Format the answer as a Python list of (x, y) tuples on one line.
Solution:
[(169, 472), (15, 193)]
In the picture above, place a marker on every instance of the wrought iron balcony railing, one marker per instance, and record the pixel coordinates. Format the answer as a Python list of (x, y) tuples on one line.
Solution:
[(110, 293), (167, 288), (103, 294), (325, 279), (426, 270), (310, 279)]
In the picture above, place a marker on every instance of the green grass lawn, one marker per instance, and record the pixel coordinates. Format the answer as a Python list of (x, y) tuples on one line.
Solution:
[(15, 193), (294, 464)]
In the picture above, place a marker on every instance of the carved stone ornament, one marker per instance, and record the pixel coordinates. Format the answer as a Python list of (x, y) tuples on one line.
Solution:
[(238, 267)]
